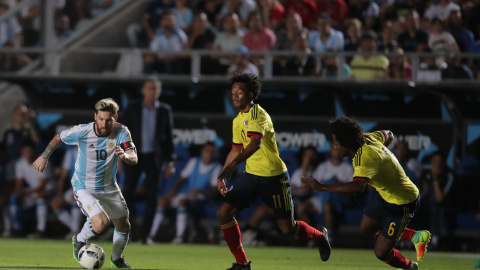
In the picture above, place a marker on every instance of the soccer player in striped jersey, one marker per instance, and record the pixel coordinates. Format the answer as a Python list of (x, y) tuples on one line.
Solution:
[(265, 176), (94, 182), (392, 205)]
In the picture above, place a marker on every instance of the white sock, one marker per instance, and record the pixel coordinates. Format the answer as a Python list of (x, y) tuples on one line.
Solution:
[(7, 220), (87, 232), (76, 215), (120, 240), (41, 215), (157, 220), (63, 216), (181, 222)]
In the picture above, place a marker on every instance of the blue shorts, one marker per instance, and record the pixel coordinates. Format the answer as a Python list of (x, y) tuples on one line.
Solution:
[(395, 218), (274, 192)]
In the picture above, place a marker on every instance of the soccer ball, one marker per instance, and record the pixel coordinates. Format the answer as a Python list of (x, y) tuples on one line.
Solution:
[(91, 256)]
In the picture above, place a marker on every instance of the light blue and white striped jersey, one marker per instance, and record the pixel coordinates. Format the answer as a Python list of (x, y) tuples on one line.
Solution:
[(96, 165)]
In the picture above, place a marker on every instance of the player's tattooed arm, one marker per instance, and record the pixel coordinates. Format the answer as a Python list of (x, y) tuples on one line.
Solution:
[(52, 146), (41, 162)]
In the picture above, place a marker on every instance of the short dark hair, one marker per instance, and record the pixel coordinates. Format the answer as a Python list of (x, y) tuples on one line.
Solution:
[(348, 132), (251, 82)]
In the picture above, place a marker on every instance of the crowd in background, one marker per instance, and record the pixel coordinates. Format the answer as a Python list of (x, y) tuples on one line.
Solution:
[(31, 202), (166, 27), (323, 26)]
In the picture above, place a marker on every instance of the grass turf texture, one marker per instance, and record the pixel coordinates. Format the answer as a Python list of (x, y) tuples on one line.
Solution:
[(57, 254)]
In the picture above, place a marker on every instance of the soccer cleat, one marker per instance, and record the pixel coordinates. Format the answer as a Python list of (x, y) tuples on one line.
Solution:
[(421, 239), (413, 266), (324, 246), (239, 266), (77, 245), (120, 263)]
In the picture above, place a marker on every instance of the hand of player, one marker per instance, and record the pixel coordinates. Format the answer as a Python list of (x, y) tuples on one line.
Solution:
[(310, 183), (40, 164), (119, 152), (227, 172), (221, 187)]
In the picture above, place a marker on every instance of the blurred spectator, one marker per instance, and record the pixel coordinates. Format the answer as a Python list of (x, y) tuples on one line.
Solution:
[(183, 14), (10, 29), (140, 35), (366, 11), (63, 203), (399, 67), (413, 39), (201, 38), (441, 10), (332, 171), (388, 43), (167, 40), (300, 65), (30, 191), (200, 177), (62, 28), (242, 7), (431, 68), (369, 67), (335, 9), (242, 63), (353, 34), (326, 38), (31, 21), (409, 164), (229, 40), (456, 69), (211, 8), (307, 9), (436, 184), (79, 13), (258, 37), (300, 194), (11, 61), (329, 69), (463, 36), (273, 13), (441, 41)]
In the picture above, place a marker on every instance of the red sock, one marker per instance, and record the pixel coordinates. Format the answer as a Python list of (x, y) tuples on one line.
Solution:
[(407, 234), (231, 234), (398, 261), (306, 232)]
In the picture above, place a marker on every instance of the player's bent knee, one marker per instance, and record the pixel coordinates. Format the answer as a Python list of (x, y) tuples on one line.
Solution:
[(381, 254), (100, 222)]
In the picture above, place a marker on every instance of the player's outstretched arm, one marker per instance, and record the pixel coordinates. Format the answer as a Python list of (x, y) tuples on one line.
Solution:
[(390, 137), (41, 162), (350, 187)]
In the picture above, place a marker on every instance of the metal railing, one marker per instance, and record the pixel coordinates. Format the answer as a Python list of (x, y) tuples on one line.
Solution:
[(57, 56)]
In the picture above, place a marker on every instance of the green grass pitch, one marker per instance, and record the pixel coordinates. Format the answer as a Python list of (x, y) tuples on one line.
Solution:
[(57, 254)]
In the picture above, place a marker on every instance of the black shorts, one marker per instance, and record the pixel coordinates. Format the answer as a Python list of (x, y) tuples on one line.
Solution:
[(395, 217), (274, 191)]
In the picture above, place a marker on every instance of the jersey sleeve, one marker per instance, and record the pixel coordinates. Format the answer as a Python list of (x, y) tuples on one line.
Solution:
[(363, 168), (379, 135), (257, 123), (125, 139), (236, 140), (70, 136), (215, 174), (19, 171), (187, 171)]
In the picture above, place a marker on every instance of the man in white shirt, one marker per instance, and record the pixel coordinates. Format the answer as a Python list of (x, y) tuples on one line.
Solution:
[(441, 10)]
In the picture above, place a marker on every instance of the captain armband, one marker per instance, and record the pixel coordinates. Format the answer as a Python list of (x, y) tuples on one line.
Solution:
[(127, 146)]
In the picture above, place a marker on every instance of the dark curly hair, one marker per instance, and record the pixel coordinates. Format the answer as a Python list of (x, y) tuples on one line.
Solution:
[(348, 132), (251, 82)]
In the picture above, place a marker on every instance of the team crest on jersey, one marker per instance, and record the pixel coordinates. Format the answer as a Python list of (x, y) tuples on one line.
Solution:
[(110, 144), (245, 122)]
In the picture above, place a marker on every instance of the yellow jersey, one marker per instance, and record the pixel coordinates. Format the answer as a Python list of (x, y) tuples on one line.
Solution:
[(265, 161), (375, 164)]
